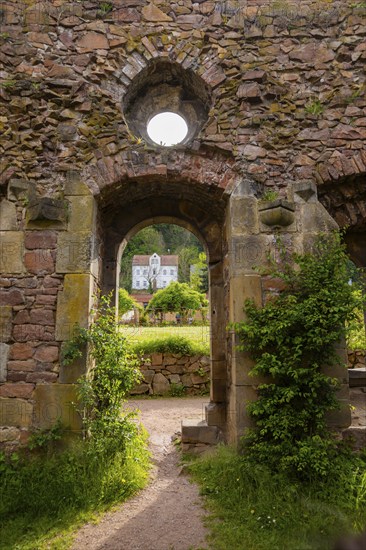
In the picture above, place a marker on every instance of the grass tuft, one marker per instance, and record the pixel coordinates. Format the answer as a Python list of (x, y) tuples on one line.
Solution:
[(253, 508), (45, 497), (171, 344)]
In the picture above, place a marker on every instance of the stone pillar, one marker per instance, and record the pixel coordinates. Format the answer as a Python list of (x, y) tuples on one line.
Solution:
[(247, 248), (253, 228), (78, 259)]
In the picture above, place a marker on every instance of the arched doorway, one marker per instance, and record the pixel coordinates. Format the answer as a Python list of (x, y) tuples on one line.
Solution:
[(200, 209)]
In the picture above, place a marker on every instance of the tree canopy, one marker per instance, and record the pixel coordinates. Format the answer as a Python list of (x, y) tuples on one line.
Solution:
[(177, 298), (126, 302)]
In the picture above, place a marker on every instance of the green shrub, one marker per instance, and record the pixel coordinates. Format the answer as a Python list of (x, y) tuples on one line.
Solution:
[(112, 375), (356, 335), (291, 339), (171, 344), (177, 390)]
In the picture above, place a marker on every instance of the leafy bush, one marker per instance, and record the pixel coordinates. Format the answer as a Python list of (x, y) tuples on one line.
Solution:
[(112, 375), (177, 390), (126, 302), (356, 335), (177, 298), (171, 344), (292, 338)]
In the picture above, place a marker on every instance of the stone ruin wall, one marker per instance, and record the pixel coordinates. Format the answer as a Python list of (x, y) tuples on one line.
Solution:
[(286, 83), (168, 374)]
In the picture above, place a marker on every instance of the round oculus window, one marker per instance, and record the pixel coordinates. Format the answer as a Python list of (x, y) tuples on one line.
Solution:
[(167, 129)]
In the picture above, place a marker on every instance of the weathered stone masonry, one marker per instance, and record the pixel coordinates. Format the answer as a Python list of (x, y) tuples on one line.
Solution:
[(274, 93)]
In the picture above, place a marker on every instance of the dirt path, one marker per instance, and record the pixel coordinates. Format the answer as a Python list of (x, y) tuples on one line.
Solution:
[(166, 515)]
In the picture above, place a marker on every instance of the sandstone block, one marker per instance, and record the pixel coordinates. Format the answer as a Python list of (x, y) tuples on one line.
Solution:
[(356, 436), (75, 252), (40, 239), (252, 152), (5, 323), (93, 41), (74, 186), (244, 215), (174, 379), (18, 189), (198, 379), (46, 354), (156, 359), (315, 218), (55, 402), (11, 252), (21, 390), (199, 432), (175, 369), (148, 375), (153, 14), (160, 384), (82, 213), (69, 374), (73, 305), (9, 434), (39, 262), (15, 412), (4, 356), (32, 333), (8, 216), (46, 211), (187, 380), (140, 389), (248, 252), (250, 91), (21, 351), (22, 366), (41, 377)]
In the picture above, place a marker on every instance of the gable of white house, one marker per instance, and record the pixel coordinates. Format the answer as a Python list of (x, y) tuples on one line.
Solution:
[(159, 270)]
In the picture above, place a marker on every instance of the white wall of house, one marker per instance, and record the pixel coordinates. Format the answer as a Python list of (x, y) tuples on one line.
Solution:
[(153, 271)]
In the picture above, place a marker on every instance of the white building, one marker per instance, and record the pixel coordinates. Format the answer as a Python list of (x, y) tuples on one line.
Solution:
[(153, 271)]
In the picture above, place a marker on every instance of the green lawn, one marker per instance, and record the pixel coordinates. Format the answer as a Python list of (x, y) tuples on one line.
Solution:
[(199, 335)]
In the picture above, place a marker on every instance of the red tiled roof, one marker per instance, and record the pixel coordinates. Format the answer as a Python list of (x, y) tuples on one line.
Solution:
[(141, 298), (142, 259)]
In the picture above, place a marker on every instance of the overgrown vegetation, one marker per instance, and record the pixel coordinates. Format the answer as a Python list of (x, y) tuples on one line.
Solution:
[(294, 485), (254, 508), (50, 491), (171, 344), (178, 298), (126, 302), (315, 107), (356, 335), (292, 340)]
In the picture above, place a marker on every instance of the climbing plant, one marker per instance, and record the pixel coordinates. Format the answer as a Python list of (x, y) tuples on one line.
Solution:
[(113, 373), (292, 339)]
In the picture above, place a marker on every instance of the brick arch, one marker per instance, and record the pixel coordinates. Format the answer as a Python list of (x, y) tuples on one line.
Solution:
[(208, 68), (206, 169), (342, 189)]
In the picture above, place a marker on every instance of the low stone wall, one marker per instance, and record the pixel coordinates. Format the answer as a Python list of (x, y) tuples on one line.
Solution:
[(356, 358), (174, 374)]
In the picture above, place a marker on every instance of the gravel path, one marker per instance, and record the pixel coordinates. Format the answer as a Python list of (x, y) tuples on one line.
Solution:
[(167, 514)]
